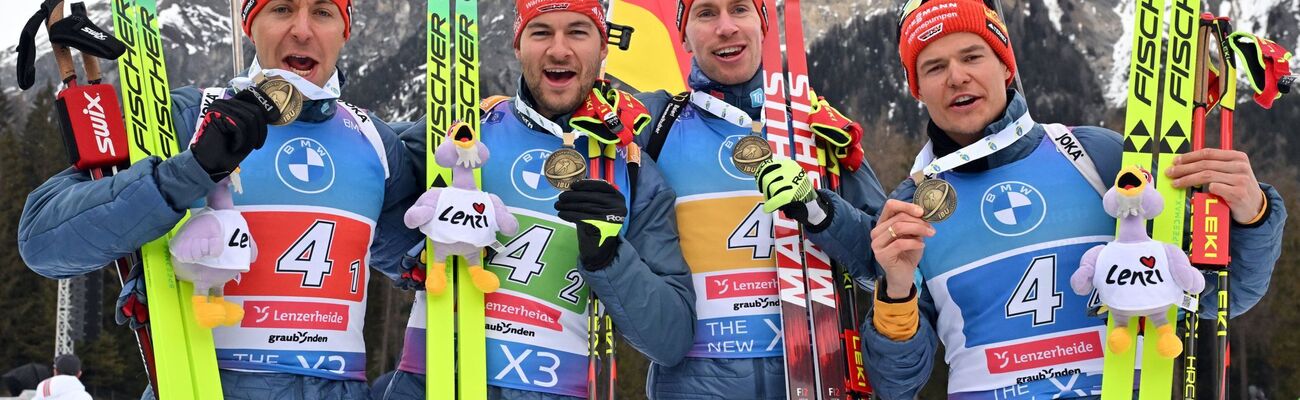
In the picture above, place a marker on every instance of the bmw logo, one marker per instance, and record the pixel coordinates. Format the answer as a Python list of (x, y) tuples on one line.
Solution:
[(1012, 208), (526, 176), (304, 165)]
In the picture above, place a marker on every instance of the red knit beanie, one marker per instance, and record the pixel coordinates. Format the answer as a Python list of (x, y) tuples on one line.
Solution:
[(935, 19), (684, 8), (252, 7), (526, 10)]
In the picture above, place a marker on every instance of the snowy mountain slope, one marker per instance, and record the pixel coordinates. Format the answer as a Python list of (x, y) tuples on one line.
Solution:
[(1088, 43)]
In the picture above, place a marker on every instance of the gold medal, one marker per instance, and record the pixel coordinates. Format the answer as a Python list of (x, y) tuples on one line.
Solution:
[(749, 152), (565, 166), (286, 97), (937, 198)]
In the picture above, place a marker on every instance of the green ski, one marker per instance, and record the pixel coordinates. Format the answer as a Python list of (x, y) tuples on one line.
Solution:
[(1174, 138), (455, 359), (1152, 149), (183, 351), (1139, 132)]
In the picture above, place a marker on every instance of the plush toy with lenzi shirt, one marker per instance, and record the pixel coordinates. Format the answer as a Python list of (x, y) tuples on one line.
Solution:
[(460, 220), (1136, 276), (212, 248)]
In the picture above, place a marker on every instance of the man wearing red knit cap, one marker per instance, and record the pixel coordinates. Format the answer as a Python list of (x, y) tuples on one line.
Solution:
[(304, 37), (737, 351), (316, 194), (1000, 307), (616, 241)]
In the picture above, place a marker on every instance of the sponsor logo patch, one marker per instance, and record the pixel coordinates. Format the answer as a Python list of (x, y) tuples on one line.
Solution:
[(1044, 353), (295, 315), (741, 285)]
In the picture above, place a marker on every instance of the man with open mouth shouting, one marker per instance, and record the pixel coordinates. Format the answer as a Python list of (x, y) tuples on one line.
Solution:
[(314, 192), (614, 234)]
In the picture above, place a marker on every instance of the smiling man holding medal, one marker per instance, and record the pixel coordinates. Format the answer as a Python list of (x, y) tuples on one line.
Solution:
[(995, 218)]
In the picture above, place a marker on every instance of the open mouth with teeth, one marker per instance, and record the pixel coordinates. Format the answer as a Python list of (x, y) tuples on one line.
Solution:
[(963, 101), (559, 76), (301, 65), (729, 53)]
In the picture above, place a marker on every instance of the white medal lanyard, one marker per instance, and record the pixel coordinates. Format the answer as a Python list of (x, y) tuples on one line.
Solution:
[(309, 90), (721, 109), (926, 164), (536, 118)]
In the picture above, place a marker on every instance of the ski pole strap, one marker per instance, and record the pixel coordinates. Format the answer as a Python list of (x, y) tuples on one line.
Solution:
[(1070, 147), (76, 31), (666, 120), (927, 164), (79, 32), (27, 44), (1266, 63)]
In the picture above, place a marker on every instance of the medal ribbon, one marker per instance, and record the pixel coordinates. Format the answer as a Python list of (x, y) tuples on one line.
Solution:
[(533, 118), (926, 164), (721, 109), (309, 90)]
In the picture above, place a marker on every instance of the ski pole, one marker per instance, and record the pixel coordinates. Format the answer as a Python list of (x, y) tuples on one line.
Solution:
[(997, 6), (1209, 249), (91, 122), (236, 41)]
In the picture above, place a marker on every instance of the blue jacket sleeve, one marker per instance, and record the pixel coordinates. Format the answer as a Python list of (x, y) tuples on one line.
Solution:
[(110, 218), (403, 187), (899, 369), (648, 289), (847, 236), (1254, 249)]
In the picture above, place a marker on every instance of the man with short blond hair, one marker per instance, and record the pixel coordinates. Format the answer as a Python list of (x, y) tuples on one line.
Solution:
[(725, 223)]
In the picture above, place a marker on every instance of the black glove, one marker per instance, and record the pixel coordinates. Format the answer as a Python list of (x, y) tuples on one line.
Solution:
[(598, 210), (231, 129)]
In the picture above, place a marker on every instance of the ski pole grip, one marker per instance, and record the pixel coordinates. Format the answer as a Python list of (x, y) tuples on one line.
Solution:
[(90, 119), (62, 55), (1285, 84), (91, 65)]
